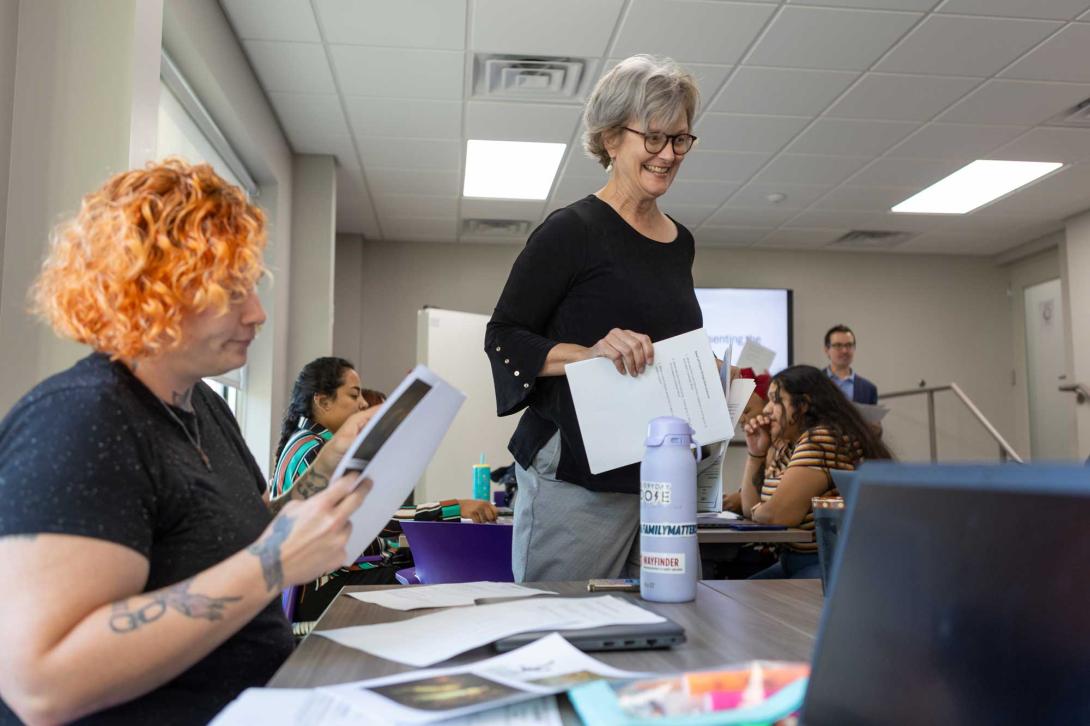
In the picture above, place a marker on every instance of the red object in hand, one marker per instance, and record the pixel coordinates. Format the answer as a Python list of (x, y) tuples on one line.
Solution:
[(763, 380)]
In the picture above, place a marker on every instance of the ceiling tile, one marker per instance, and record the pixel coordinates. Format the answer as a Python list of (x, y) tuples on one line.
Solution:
[(503, 209), (411, 118), (917, 173), (684, 191), (678, 29), (290, 67), (556, 28), (405, 23), (420, 229), (802, 237), (864, 199), (728, 166), (272, 20), (419, 154), (829, 38), (579, 164), (569, 189), (810, 169), (1061, 58), (406, 181), (1015, 102), (521, 121), (884, 221), (886, 96), (796, 196), (309, 118), (354, 212), (1060, 195), (954, 141), (1047, 144), (723, 236), (922, 5), (965, 46), (781, 91), (766, 219), (853, 138), (406, 73), (735, 132), (708, 77), (410, 205), (1048, 9), (691, 215)]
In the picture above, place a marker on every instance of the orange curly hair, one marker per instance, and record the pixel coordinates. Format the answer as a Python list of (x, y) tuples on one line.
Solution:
[(149, 246)]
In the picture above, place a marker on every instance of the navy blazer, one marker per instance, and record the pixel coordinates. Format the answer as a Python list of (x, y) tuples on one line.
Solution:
[(865, 391)]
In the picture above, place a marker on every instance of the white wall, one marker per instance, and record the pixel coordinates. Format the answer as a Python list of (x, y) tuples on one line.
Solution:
[(313, 253), (9, 26), (1075, 264), (932, 318), (80, 68), (348, 301)]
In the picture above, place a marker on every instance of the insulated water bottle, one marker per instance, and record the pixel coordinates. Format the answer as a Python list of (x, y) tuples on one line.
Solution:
[(669, 553)]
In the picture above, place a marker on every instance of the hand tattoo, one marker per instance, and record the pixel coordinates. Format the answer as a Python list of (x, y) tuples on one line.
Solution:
[(267, 551), (125, 619)]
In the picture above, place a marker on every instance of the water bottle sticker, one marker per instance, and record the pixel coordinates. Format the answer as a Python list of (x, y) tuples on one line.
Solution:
[(668, 529), (655, 493), (663, 562)]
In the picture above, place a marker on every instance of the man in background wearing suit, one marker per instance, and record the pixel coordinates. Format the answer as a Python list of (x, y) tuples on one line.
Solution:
[(840, 350)]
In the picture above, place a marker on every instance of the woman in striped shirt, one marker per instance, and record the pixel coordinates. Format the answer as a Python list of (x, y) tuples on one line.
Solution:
[(807, 429)]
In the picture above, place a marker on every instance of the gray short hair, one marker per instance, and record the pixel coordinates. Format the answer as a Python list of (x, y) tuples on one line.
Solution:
[(645, 87)]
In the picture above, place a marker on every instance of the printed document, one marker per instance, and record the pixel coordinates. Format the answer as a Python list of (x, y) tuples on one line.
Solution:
[(394, 448), (872, 413), (444, 596), (756, 356), (709, 480), (547, 666), (435, 637), (614, 410)]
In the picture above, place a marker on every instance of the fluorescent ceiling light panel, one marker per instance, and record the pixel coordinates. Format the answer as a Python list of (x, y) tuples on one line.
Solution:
[(510, 169), (974, 185)]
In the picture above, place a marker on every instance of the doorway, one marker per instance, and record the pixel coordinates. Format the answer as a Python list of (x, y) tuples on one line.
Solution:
[(1051, 413)]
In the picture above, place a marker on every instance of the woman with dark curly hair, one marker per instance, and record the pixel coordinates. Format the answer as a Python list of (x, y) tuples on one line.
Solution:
[(145, 566), (807, 429)]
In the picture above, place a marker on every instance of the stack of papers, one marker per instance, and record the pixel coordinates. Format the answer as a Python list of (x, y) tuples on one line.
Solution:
[(444, 596), (432, 638)]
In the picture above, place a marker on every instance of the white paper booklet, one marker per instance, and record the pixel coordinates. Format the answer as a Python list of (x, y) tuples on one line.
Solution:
[(756, 356), (872, 413), (444, 596), (394, 448), (613, 409), (709, 480), (546, 666), (429, 639)]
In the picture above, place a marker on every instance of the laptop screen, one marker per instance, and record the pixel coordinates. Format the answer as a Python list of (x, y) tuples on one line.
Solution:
[(961, 595)]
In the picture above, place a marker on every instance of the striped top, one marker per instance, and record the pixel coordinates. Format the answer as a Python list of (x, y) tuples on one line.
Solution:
[(817, 448), (299, 452)]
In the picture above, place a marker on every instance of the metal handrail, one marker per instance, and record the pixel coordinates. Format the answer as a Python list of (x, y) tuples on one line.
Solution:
[(1006, 451)]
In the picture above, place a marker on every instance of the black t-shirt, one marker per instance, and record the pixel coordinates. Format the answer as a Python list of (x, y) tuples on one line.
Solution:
[(93, 452), (583, 272)]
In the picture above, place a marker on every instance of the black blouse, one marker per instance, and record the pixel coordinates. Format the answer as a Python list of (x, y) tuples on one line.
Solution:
[(583, 272)]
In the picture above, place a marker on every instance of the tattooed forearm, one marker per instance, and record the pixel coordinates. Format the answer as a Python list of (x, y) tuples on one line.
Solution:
[(309, 484), (267, 551), (126, 617)]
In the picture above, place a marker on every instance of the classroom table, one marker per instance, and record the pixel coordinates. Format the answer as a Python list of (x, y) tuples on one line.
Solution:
[(722, 535), (730, 621)]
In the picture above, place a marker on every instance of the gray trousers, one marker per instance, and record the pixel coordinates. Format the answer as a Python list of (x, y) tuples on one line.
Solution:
[(566, 532)]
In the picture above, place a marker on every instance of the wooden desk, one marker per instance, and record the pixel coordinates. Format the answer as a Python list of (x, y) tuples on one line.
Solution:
[(730, 621), (722, 535)]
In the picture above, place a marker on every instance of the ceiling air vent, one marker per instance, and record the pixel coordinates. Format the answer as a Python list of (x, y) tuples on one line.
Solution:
[(871, 239), (1077, 116), (496, 227), (537, 78)]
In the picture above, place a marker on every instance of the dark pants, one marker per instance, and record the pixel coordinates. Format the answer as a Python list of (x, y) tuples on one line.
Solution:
[(792, 566), (313, 601)]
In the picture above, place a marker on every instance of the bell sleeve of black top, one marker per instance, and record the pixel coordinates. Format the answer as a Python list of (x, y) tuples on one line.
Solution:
[(516, 339)]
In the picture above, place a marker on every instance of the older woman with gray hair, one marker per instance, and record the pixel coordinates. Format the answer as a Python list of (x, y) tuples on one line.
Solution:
[(603, 277)]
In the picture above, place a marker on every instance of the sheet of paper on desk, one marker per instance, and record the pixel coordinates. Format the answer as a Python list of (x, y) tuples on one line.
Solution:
[(613, 409), (435, 637), (549, 665), (756, 356), (872, 413), (444, 596), (394, 448)]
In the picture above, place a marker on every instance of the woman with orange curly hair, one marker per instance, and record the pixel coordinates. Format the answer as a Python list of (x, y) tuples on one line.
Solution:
[(144, 565)]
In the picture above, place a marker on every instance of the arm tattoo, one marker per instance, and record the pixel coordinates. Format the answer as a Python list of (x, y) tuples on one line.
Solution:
[(125, 618), (267, 551), (306, 486)]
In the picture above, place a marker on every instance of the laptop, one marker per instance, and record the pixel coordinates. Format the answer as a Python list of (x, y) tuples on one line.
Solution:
[(608, 637), (959, 595), (717, 521)]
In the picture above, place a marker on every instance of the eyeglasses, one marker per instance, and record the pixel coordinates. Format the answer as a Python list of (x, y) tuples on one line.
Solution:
[(655, 141), (841, 346)]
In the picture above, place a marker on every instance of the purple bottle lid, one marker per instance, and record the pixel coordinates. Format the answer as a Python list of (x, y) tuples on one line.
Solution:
[(659, 428)]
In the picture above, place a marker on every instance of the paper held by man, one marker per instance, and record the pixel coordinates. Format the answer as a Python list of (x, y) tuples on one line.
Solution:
[(613, 409)]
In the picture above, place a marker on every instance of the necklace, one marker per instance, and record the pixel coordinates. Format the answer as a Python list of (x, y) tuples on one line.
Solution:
[(194, 442)]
